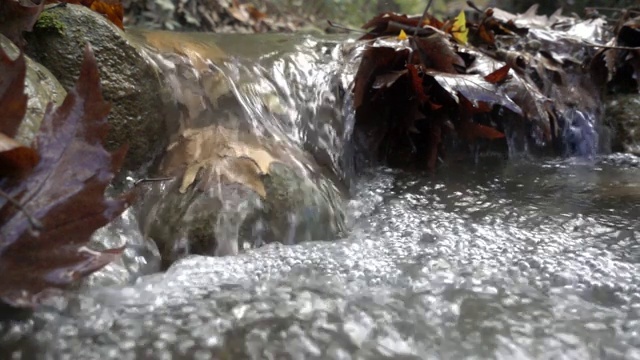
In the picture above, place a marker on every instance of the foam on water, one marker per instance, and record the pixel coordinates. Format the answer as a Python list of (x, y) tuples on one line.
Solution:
[(505, 261)]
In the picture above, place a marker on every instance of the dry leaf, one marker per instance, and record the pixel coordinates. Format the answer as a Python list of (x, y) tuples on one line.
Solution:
[(213, 153)]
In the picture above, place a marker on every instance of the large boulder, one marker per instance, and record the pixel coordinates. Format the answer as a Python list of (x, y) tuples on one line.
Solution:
[(623, 116), (41, 88), (130, 82)]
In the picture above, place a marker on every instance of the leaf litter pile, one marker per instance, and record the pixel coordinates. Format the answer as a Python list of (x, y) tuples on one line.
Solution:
[(52, 192), (498, 82)]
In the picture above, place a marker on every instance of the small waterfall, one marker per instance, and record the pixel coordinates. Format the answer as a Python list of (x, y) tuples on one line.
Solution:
[(258, 149), (262, 143)]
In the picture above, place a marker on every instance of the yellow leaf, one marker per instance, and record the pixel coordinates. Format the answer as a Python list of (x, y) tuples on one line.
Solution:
[(459, 29), (402, 36)]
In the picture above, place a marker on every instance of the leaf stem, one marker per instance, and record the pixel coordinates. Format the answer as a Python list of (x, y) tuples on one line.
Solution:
[(424, 16), (146, 180), (610, 47), (342, 27)]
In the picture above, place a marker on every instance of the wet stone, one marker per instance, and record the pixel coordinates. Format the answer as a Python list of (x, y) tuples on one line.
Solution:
[(623, 116)]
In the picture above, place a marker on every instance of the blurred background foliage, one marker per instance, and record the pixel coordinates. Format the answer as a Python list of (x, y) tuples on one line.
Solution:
[(356, 12)]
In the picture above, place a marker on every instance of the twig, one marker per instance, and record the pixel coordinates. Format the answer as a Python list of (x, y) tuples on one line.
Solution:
[(342, 27), (611, 47), (146, 180), (35, 223), (424, 16), (416, 29), (611, 9), (58, 5), (475, 7)]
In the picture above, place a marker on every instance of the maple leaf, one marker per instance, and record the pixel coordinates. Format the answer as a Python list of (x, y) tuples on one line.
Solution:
[(17, 17), (211, 154), (64, 193)]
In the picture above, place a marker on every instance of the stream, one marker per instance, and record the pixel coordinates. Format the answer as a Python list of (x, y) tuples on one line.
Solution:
[(487, 259)]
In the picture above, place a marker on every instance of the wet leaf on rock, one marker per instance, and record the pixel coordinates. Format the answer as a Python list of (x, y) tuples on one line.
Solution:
[(214, 153), (64, 193)]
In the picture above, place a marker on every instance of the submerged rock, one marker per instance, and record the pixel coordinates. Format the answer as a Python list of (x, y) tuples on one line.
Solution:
[(230, 194), (41, 88), (129, 81), (623, 116)]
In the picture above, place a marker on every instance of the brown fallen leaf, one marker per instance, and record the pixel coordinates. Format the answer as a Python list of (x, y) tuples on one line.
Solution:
[(18, 16), (499, 76), (375, 60), (386, 80), (417, 83), (213, 153), (436, 53), (64, 193), (479, 131), (475, 89)]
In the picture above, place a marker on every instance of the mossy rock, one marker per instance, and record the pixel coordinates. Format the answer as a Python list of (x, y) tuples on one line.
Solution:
[(129, 82)]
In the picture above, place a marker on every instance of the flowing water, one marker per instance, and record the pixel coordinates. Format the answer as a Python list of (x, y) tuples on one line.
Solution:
[(489, 259)]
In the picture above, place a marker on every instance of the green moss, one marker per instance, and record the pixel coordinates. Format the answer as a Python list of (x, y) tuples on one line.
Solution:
[(49, 21)]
